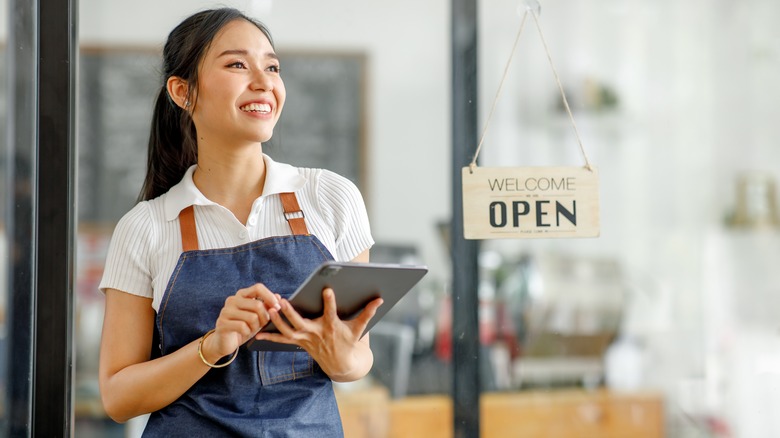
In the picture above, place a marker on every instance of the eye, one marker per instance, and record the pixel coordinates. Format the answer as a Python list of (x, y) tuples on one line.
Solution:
[(275, 68), (237, 64)]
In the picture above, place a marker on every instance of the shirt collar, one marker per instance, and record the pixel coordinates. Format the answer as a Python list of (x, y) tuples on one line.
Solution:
[(279, 178)]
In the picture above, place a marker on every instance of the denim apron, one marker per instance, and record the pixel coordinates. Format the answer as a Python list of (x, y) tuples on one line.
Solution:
[(262, 393)]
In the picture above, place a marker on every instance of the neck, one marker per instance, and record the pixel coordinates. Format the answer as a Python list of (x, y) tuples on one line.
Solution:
[(232, 178)]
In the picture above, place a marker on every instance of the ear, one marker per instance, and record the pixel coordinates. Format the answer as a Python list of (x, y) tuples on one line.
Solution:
[(178, 89)]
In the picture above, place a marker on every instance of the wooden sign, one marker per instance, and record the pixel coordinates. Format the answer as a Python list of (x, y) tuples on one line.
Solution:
[(530, 202)]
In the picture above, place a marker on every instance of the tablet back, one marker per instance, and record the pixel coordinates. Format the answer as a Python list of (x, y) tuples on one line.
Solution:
[(355, 285)]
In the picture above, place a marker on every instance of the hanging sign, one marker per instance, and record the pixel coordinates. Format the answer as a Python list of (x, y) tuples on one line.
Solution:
[(530, 202)]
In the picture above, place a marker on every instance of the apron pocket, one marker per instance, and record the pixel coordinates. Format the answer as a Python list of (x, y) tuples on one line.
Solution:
[(283, 366)]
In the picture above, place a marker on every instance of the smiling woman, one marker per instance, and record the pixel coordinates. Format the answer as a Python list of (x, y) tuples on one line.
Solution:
[(207, 257)]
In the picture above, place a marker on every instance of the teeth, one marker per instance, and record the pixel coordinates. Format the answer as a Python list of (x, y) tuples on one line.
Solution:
[(257, 107)]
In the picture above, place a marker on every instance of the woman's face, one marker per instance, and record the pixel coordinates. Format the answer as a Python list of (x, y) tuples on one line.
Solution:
[(240, 93)]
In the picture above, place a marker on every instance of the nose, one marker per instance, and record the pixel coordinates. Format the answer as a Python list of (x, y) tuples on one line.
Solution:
[(262, 81)]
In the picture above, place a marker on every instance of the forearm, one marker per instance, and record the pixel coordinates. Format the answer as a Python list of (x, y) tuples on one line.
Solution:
[(149, 386)]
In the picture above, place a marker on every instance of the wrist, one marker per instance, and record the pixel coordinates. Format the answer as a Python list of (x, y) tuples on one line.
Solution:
[(353, 367), (208, 348), (209, 352)]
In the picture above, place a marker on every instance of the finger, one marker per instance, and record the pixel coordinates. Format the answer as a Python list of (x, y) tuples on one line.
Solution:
[(247, 321), (330, 311), (237, 305), (227, 326), (280, 323), (275, 337), (295, 318), (260, 292), (368, 312)]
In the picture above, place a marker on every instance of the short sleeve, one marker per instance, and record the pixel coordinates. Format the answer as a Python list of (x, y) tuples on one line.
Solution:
[(128, 264), (342, 198)]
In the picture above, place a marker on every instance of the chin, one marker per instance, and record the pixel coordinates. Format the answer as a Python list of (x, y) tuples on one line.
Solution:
[(258, 136)]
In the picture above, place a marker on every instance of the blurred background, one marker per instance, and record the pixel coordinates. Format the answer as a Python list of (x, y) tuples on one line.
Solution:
[(668, 324)]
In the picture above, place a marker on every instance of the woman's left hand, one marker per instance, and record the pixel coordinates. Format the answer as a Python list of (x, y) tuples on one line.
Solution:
[(338, 346)]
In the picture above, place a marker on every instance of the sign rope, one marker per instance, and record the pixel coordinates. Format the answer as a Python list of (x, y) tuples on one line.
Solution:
[(534, 14)]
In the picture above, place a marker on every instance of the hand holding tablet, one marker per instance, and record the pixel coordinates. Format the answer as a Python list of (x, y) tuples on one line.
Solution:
[(355, 285)]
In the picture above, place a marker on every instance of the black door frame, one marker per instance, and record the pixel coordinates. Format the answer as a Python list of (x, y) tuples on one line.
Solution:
[(465, 271), (42, 55)]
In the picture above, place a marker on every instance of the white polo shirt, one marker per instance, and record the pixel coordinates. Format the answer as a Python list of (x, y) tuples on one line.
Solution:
[(146, 243)]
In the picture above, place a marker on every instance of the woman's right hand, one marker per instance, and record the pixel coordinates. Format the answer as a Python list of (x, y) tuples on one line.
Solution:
[(242, 316)]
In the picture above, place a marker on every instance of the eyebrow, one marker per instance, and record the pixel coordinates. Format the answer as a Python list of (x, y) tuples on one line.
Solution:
[(244, 52)]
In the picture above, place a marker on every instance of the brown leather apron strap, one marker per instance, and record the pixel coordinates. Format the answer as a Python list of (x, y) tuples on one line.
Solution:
[(189, 235), (293, 214)]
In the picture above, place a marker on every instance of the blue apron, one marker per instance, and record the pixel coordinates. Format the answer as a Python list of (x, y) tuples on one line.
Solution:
[(260, 394)]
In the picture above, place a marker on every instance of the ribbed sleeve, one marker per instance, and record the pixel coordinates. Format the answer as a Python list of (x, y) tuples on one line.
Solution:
[(127, 265), (340, 201)]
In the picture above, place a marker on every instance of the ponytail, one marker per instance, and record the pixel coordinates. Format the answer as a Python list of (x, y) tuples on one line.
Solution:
[(172, 147)]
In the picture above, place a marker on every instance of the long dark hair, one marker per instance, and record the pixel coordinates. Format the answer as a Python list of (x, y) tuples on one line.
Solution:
[(172, 138)]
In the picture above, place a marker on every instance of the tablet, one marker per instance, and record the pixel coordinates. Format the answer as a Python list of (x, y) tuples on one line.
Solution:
[(355, 285)]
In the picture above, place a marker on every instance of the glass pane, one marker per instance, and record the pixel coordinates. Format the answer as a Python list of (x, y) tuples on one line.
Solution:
[(671, 312), (17, 116), (340, 91), (664, 325)]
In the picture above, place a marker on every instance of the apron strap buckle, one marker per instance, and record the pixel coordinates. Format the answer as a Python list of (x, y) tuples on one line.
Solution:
[(294, 214)]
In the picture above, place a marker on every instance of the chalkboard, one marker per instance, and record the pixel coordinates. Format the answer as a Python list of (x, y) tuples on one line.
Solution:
[(322, 124), (116, 89), (323, 117)]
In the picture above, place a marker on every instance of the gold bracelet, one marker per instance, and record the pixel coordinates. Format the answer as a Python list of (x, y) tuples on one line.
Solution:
[(200, 353)]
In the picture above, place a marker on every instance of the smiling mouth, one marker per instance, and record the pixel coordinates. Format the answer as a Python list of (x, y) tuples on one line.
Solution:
[(262, 108)]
